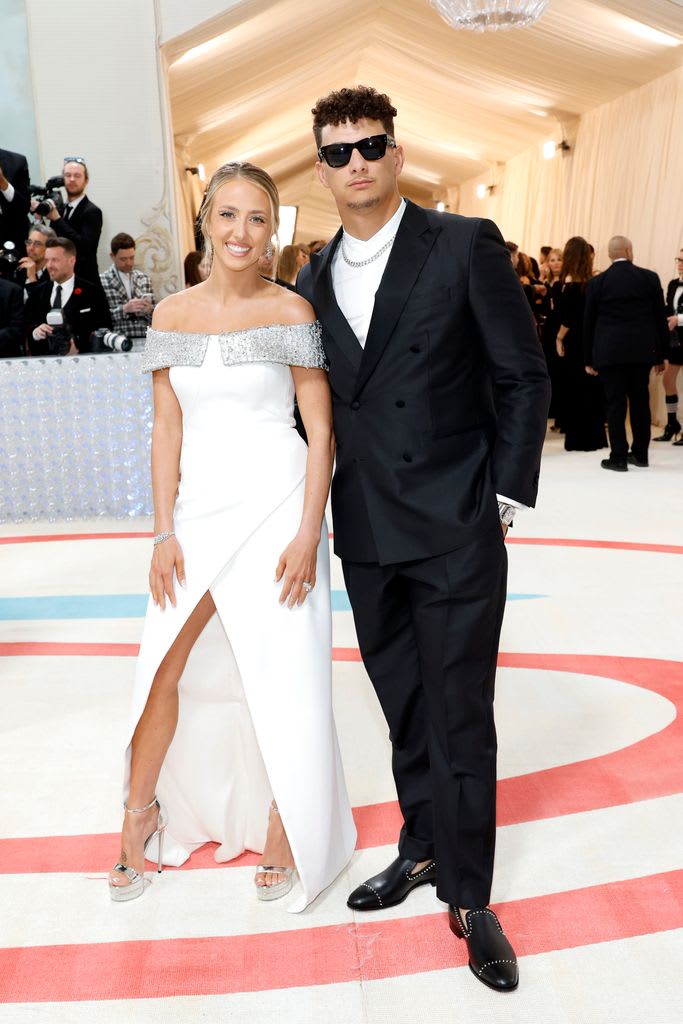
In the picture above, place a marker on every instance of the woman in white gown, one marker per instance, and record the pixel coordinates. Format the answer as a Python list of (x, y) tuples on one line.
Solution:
[(232, 726)]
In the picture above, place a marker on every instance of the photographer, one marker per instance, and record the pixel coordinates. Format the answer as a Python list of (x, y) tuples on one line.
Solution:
[(14, 199), (11, 320), (31, 268), (82, 306), (80, 221), (129, 292)]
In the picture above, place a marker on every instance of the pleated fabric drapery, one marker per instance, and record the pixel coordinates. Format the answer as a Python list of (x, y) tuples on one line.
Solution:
[(622, 176)]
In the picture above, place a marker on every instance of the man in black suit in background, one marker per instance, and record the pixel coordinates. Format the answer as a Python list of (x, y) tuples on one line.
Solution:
[(11, 320), (625, 333), (84, 306), (14, 200), (80, 221), (440, 396)]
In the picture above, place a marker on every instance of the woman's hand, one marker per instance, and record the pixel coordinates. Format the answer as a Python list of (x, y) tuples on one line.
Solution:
[(166, 557), (296, 567), (559, 345)]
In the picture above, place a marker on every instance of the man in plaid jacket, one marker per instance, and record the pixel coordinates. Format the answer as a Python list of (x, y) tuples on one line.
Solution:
[(129, 292)]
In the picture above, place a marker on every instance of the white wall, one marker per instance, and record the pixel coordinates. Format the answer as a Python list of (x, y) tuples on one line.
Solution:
[(98, 94), (17, 123)]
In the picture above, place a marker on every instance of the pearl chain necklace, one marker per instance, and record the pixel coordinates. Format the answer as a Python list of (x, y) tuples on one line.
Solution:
[(371, 259)]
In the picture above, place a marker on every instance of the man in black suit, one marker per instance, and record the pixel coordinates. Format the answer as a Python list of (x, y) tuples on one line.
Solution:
[(83, 305), (440, 399), (625, 333), (14, 199), (11, 320), (80, 221), (32, 268)]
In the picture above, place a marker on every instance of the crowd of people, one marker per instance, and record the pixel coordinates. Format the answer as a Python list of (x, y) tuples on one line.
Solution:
[(48, 265), (601, 334), (53, 300)]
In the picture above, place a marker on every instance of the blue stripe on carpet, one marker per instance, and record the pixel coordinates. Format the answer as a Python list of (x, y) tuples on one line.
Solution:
[(123, 606)]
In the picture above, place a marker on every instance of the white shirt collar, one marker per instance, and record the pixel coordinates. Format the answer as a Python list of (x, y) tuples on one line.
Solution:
[(67, 290), (75, 202)]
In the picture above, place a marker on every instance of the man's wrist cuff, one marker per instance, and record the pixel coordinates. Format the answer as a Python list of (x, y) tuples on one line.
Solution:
[(506, 513)]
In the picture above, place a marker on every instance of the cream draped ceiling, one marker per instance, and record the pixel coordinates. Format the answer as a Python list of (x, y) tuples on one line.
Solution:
[(471, 107)]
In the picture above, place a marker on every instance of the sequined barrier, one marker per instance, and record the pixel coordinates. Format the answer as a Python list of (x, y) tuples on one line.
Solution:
[(75, 438)]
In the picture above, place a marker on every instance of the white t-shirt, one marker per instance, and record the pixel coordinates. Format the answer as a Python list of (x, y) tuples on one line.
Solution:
[(355, 287)]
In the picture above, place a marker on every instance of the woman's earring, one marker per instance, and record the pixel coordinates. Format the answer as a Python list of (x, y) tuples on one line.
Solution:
[(268, 252)]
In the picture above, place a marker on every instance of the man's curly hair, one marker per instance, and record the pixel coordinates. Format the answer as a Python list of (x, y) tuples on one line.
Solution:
[(352, 105)]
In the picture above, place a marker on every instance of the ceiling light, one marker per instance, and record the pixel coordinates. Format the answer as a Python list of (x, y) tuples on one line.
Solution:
[(483, 15), (201, 50), (549, 149), (651, 35), (440, 207), (481, 190), (201, 172)]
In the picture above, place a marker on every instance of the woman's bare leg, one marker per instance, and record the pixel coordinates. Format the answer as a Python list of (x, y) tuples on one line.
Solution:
[(152, 739)]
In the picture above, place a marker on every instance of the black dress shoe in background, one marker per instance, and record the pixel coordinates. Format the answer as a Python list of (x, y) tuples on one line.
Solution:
[(492, 959), (640, 463), (391, 886), (619, 465)]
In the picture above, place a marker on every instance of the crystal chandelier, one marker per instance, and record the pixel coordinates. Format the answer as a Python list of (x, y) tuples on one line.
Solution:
[(482, 15)]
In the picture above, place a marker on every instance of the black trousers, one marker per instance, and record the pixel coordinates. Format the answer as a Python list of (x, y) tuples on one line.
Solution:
[(428, 633), (627, 382)]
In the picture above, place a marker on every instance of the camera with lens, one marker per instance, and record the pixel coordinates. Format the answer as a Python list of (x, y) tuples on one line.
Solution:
[(59, 342), (104, 340), (48, 195), (8, 260)]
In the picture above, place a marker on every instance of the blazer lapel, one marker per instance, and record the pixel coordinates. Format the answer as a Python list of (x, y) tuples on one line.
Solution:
[(413, 243), (329, 313)]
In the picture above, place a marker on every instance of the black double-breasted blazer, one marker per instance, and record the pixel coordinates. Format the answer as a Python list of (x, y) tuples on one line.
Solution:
[(447, 403), (624, 317)]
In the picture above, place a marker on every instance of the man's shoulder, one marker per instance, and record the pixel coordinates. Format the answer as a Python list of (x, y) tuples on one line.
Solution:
[(9, 288), (109, 275), (451, 222), (9, 154), (82, 286), (87, 206)]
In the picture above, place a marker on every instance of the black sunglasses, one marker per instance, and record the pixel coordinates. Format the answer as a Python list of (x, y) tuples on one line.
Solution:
[(338, 154)]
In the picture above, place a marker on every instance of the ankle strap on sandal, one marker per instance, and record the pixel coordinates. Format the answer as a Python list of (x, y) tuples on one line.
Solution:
[(140, 810)]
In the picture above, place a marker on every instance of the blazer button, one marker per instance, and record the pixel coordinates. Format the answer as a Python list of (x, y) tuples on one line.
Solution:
[(415, 348), (407, 457), (355, 405), (400, 404)]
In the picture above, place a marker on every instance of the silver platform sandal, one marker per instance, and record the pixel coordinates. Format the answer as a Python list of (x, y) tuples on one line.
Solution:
[(136, 881), (280, 889)]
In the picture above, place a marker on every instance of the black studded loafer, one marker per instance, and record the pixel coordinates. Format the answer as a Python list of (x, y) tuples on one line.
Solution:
[(391, 886), (492, 958)]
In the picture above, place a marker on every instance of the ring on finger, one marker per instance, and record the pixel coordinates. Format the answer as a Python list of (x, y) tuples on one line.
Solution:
[(308, 587)]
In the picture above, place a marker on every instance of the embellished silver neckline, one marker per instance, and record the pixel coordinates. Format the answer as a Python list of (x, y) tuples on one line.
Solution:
[(290, 344), (371, 259)]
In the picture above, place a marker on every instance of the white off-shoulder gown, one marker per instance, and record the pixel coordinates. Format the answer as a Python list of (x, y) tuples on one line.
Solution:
[(256, 718)]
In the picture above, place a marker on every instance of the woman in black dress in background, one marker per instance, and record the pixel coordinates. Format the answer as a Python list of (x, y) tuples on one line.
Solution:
[(584, 412), (550, 325)]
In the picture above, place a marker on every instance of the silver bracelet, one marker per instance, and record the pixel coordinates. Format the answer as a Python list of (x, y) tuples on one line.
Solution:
[(161, 537)]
